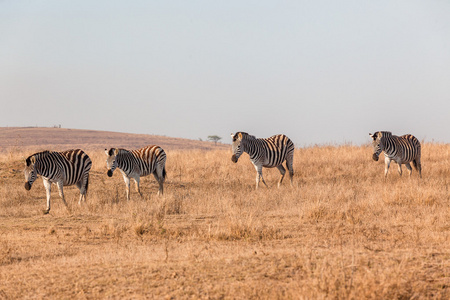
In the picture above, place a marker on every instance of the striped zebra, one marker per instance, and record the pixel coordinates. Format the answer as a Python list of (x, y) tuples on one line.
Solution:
[(400, 149), (270, 152), (137, 163), (63, 168)]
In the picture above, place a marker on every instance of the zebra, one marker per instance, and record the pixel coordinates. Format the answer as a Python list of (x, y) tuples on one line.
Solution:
[(400, 149), (63, 168), (270, 152), (137, 163)]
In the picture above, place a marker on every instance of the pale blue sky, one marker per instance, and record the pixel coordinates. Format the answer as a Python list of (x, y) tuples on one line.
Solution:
[(318, 71)]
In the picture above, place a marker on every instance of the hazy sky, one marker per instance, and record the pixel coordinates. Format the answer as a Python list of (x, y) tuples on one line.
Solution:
[(318, 71)]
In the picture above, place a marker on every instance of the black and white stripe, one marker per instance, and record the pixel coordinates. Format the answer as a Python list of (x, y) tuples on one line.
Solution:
[(270, 152), (63, 168), (137, 163), (401, 149)]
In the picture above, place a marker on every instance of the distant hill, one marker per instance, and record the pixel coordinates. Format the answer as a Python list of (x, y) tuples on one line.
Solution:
[(41, 138)]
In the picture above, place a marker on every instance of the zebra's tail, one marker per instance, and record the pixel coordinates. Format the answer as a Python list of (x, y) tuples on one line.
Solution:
[(416, 165), (164, 173), (87, 183)]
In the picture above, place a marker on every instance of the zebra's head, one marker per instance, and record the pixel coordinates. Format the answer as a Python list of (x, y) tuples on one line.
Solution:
[(376, 144), (236, 146), (30, 172), (111, 162)]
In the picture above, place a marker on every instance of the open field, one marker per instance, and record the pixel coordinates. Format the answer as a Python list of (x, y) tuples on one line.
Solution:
[(38, 138), (341, 232)]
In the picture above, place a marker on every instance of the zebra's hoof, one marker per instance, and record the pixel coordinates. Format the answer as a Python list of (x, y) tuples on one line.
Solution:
[(234, 159), (46, 211)]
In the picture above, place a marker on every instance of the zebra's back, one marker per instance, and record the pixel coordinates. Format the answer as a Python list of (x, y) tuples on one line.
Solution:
[(410, 139), (147, 158), (76, 164), (278, 148), (410, 146)]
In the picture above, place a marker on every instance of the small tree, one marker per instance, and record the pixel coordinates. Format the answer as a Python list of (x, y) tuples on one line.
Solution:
[(214, 138)]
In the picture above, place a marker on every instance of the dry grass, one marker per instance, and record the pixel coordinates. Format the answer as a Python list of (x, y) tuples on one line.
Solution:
[(341, 232), (38, 139)]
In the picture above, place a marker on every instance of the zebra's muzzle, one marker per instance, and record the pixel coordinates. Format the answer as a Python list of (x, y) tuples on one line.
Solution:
[(375, 157), (234, 159), (109, 173), (27, 186)]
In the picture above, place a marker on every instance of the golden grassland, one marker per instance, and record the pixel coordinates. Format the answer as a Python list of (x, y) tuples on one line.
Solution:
[(342, 232), (38, 138)]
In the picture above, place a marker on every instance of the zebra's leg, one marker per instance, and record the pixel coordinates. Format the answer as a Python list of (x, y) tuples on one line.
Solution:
[(262, 178), (82, 191), (81, 194), (48, 190), (283, 172), (290, 167), (408, 166), (418, 166), (259, 176), (160, 178), (83, 187), (387, 163), (61, 193), (257, 180), (81, 198), (138, 189), (127, 186), (161, 188), (399, 168)]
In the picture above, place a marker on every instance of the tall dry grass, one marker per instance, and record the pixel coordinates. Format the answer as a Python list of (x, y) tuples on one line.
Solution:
[(341, 232)]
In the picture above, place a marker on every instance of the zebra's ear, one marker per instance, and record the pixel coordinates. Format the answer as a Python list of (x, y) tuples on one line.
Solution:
[(375, 135), (30, 160), (237, 136), (111, 151)]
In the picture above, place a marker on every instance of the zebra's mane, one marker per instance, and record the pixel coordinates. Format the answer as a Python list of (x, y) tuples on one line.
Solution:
[(37, 155), (42, 153), (386, 133), (246, 135), (123, 151), (120, 151)]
